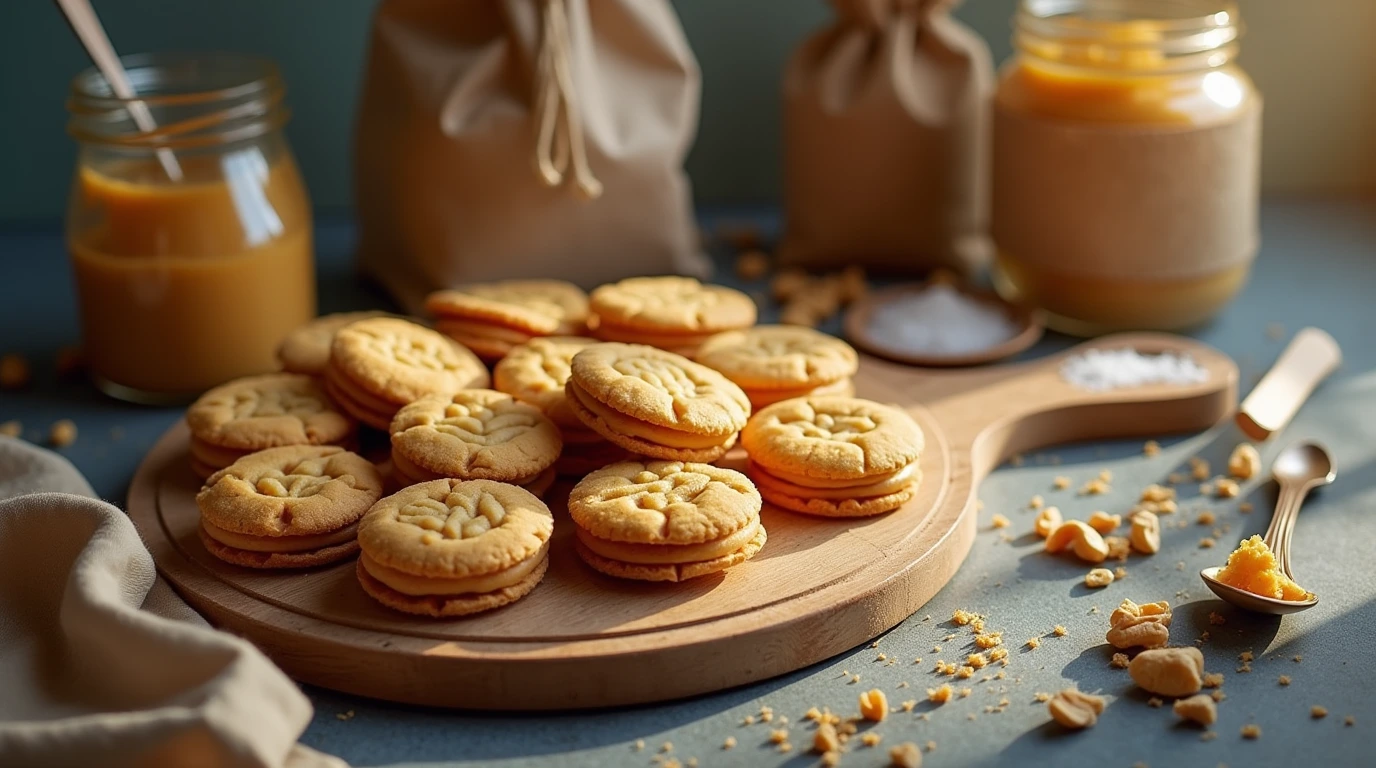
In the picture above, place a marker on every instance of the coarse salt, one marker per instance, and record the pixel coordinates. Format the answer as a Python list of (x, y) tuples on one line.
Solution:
[(1104, 369), (941, 321)]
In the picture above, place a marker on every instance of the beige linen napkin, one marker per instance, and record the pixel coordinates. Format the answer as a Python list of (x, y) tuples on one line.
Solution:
[(101, 664)]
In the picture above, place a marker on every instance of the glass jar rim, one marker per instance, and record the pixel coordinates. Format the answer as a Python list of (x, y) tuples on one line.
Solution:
[(210, 98), (1186, 34)]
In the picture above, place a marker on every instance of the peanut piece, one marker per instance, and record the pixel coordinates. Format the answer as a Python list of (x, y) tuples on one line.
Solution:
[(1084, 541), (1146, 533), (1245, 462), (826, 739), (906, 755), (1169, 671), (1048, 520), (1074, 709), (752, 264), (874, 705), (1099, 577), (1199, 709), (1132, 625), (1104, 522)]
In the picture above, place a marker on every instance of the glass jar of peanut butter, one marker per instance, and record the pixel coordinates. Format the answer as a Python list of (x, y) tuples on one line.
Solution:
[(1126, 163), (190, 242)]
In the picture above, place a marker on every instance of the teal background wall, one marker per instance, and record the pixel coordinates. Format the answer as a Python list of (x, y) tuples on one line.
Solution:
[(320, 45)]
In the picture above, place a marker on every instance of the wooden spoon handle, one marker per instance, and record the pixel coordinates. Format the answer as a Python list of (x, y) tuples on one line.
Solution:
[(1309, 358)]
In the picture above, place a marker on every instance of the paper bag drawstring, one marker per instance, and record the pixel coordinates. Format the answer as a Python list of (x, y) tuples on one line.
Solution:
[(559, 144)]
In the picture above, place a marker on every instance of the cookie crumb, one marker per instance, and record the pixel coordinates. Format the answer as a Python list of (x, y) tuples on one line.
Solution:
[(907, 755), (871, 739), (14, 372), (785, 748), (1154, 702), (1349, 720), (1059, 631), (1096, 487), (1151, 448), (1216, 619), (349, 715), (1298, 658), (62, 434), (940, 694), (988, 640), (1207, 543), (1251, 731), (779, 735), (1119, 661), (1199, 468), (1208, 736), (1061, 482), (831, 759), (1036, 502), (667, 746), (11, 428), (748, 720), (1245, 507), (1317, 712), (730, 743), (1120, 573), (1283, 680), (854, 679), (999, 521), (1213, 679), (1225, 488), (639, 745), (1034, 642), (1218, 695), (1206, 518)]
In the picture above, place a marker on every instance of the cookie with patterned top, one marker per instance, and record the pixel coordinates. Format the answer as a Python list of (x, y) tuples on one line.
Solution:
[(454, 547), (536, 373), (672, 313), (780, 362), (665, 520), (834, 456), (290, 507), (380, 364), (474, 434), (492, 318), (656, 403), (258, 412)]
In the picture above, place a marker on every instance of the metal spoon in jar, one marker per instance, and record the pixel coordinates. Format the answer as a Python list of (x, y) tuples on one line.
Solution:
[(1299, 469)]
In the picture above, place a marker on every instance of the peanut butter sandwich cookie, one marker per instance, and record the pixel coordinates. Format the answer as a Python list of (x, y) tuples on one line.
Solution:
[(491, 318), (834, 456), (665, 520), (454, 547), (251, 414), (673, 313), (381, 364), (475, 434), (656, 403), (292, 507), (781, 362), (536, 373), (307, 349)]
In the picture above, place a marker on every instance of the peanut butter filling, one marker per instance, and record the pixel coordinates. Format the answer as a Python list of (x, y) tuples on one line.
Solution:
[(307, 543), (421, 586), (668, 554), (653, 433), (880, 485)]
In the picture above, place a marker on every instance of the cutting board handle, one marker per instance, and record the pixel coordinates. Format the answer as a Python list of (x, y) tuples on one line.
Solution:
[(991, 413)]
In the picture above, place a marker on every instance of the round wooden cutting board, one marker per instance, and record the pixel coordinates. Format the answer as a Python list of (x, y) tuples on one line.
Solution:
[(581, 639)]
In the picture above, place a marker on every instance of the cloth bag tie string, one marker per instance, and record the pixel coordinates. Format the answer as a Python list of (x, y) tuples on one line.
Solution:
[(560, 150)]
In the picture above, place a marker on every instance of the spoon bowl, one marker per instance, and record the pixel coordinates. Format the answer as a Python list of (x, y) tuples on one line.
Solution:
[(1298, 469)]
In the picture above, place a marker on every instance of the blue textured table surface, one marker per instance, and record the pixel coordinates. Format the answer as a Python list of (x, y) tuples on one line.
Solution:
[(1317, 267)]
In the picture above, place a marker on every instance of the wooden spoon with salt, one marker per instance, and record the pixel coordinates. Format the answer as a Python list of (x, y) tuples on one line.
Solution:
[(857, 324)]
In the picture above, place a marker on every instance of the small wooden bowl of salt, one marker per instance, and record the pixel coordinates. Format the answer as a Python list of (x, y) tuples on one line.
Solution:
[(939, 323)]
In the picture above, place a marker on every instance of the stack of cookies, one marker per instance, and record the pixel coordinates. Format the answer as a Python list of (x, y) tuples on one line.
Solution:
[(656, 403), (454, 547), (378, 365), (665, 520), (672, 313), (536, 373), (251, 414), (292, 507), (307, 348), (781, 362), (475, 434), (834, 456), (491, 318)]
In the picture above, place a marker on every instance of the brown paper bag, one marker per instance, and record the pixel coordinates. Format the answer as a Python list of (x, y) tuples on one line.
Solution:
[(525, 138), (885, 133)]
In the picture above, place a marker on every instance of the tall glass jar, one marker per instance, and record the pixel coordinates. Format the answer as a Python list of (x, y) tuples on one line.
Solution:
[(1126, 163), (190, 243)]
